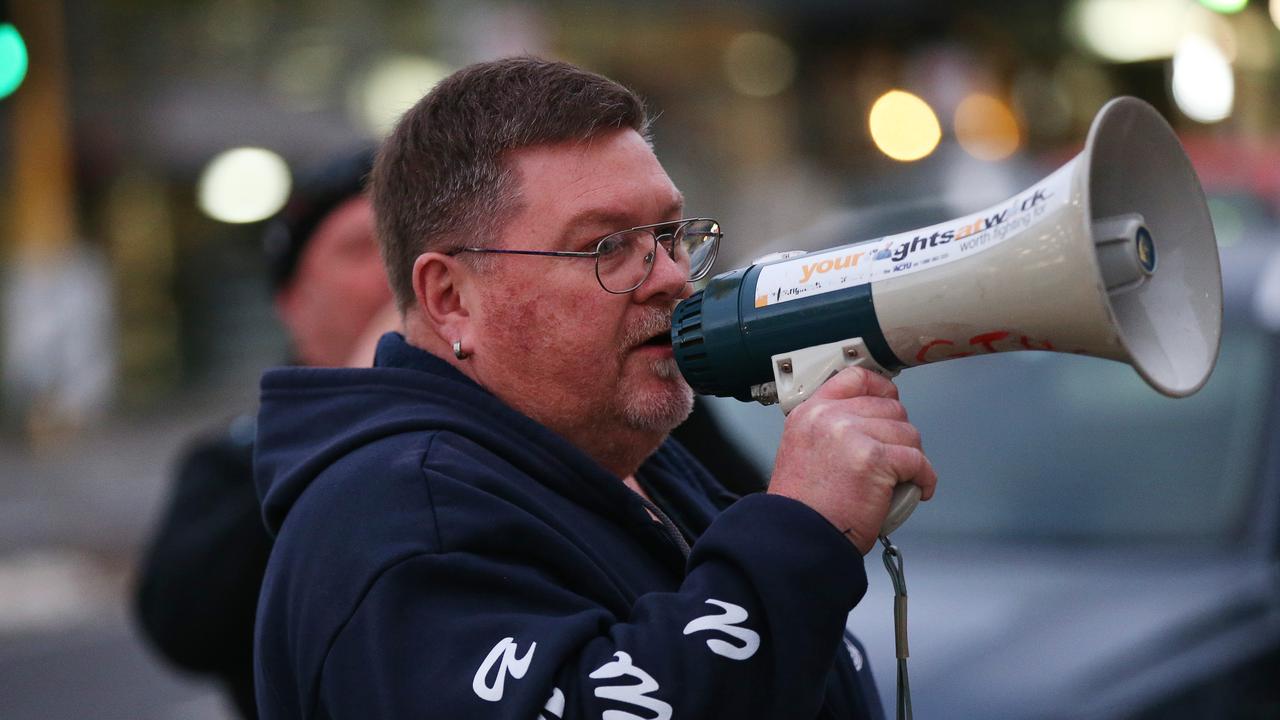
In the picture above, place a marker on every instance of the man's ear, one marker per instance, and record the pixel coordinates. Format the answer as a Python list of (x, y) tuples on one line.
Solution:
[(440, 285)]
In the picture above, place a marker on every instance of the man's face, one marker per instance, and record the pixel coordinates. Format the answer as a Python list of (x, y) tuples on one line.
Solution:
[(548, 339), (338, 287)]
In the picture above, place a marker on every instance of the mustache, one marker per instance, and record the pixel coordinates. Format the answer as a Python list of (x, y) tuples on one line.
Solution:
[(651, 323)]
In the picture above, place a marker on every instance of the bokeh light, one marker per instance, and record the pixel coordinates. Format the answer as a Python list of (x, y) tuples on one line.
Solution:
[(392, 87), (1203, 84), (903, 126), (1225, 6), (244, 185), (13, 59), (986, 128), (1274, 8), (1128, 30), (759, 64)]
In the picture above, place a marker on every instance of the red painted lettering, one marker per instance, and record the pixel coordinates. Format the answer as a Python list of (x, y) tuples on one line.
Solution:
[(986, 339), (922, 355), (1030, 344), (985, 342)]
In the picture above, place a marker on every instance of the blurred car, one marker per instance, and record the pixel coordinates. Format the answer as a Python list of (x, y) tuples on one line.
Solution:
[(1095, 550)]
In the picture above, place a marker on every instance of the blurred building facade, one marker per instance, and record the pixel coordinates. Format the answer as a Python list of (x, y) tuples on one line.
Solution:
[(763, 119), (145, 141)]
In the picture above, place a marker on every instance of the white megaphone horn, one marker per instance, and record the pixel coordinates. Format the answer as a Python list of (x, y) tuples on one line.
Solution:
[(1113, 255)]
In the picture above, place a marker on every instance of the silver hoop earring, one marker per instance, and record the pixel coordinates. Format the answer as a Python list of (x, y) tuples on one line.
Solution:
[(458, 352)]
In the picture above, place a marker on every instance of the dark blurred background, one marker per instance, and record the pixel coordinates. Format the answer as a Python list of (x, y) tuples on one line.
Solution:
[(145, 141)]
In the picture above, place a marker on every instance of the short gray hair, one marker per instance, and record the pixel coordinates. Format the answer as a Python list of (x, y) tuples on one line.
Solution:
[(442, 175)]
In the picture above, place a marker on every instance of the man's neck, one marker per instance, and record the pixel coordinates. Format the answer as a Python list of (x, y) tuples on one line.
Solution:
[(621, 451), (617, 447), (416, 334)]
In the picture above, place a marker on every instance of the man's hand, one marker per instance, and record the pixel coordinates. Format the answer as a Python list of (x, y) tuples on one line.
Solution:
[(845, 449)]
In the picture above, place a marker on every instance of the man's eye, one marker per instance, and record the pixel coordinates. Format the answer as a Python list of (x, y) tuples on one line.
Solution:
[(611, 245)]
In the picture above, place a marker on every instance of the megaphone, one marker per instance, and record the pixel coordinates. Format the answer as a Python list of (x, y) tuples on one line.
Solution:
[(1113, 255)]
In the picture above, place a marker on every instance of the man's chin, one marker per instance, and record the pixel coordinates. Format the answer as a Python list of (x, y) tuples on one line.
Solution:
[(662, 402), (668, 369)]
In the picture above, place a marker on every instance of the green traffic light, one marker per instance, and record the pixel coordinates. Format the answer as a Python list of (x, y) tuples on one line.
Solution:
[(13, 59)]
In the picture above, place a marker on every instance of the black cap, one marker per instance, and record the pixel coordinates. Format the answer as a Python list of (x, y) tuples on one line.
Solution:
[(314, 196)]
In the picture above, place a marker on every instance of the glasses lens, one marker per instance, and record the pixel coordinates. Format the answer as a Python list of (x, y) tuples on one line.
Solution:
[(697, 247), (624, 259)]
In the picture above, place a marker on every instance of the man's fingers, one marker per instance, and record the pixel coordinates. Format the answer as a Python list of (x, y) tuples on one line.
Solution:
[(869, 406), (892, 432), (908, 464), (928, 480), (855, 382)]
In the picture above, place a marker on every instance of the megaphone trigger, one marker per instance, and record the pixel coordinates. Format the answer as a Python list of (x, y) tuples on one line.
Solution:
[(799, 373)]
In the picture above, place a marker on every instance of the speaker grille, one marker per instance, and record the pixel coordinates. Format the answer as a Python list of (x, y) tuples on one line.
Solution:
[(689, 345)]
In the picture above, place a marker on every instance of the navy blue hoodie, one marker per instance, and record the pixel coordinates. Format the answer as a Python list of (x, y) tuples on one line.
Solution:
[(440, 555)]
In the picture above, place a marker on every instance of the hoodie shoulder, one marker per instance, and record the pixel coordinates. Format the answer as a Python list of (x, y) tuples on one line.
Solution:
[(312, 420), (373, 499), (407, 494)]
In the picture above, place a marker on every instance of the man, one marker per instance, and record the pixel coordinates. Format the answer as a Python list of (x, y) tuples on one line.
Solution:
[(198, 584), (491, 522)]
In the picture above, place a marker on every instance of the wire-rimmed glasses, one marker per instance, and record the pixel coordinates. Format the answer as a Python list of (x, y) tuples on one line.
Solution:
[(625, 258)]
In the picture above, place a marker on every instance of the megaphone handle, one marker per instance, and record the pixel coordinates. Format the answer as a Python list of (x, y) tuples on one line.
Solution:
[(905, 498), (797, 374)]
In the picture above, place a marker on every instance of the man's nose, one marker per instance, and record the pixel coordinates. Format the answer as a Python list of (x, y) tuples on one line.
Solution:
[(666, 279)]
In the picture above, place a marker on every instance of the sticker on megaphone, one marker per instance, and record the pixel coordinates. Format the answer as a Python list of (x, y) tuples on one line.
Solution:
[(908, 252)]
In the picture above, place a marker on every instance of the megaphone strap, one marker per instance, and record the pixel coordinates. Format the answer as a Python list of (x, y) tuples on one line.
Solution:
[(893, 563)]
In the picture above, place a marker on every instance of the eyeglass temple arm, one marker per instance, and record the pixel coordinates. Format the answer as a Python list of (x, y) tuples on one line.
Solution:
[(549, 253)]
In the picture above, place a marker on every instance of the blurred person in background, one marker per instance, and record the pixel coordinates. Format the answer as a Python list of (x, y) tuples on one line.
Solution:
[(492, 521), (198, 585), (198, 588)]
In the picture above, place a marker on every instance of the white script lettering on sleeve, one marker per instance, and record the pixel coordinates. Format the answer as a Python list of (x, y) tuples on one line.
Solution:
[(854, 654), (554, 709), (510, 665), (727, 623), (635, 694)]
